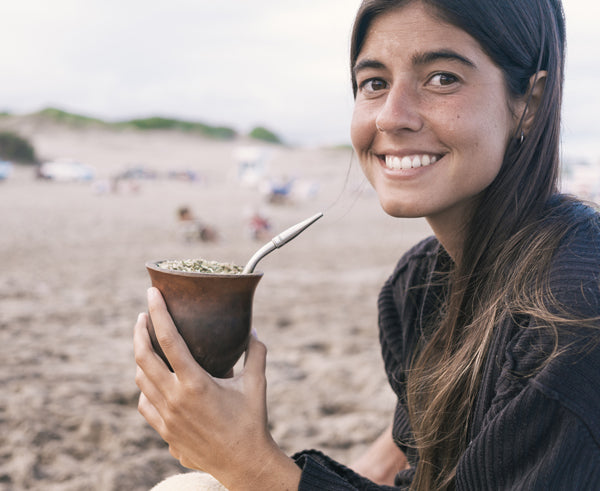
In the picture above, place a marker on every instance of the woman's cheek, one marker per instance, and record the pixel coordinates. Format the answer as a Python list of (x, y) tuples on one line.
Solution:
[(362, 129)]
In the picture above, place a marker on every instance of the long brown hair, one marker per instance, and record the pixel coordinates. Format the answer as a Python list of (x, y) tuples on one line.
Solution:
[(508, 241)]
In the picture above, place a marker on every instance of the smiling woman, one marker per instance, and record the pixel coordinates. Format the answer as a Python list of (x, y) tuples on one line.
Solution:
[(490, 329)]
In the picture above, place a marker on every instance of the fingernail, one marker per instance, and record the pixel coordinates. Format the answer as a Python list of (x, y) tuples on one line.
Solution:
[(254, 333)]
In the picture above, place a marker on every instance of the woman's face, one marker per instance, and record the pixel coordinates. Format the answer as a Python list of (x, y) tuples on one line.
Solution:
[(432, 117)]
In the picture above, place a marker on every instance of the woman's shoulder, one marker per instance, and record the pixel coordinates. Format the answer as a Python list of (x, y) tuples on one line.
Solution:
[(585, 215), (581, 221), (575, 268)]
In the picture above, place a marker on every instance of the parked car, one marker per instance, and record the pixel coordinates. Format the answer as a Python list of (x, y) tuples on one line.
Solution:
[(66, 170)]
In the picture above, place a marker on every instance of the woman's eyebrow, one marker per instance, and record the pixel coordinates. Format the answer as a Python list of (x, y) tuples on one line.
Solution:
[(443, 54), (367, 63)]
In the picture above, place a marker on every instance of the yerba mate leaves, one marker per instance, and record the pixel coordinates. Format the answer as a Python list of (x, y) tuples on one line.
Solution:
[(200, 266)]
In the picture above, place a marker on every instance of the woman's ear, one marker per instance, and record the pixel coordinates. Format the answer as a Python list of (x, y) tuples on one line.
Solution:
[(537, 84)]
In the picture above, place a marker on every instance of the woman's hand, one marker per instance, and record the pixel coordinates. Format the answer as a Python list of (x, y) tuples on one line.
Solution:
[(382, 460), (215, 425)]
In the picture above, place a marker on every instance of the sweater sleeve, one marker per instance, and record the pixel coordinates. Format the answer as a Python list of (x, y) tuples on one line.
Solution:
[(320, 472)]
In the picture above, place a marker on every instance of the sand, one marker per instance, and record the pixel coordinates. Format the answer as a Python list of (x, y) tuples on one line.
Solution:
[(73, 282)]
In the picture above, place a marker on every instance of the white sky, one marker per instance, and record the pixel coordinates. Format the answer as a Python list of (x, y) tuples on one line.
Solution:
[(240, 63)]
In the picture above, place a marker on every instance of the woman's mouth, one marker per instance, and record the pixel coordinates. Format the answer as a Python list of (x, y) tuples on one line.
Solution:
[(394, 162)]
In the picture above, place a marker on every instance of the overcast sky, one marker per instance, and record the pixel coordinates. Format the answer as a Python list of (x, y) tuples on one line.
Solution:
[(277, 63)]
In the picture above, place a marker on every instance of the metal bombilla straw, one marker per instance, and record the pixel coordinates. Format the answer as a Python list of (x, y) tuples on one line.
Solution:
[(276, 242)]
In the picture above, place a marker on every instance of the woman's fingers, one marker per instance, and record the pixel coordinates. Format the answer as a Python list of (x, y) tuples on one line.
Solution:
[(150, 391), (153, 377), (256, 356), (168, 337), (253, 375), (145, 357), (150, 414), (142, 346), (151, 398)]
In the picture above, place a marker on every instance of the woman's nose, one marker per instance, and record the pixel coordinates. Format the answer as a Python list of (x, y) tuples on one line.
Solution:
[(400, 111)]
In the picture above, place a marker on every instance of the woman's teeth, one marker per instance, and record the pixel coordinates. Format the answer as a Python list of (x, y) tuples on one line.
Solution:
[(409, 162)]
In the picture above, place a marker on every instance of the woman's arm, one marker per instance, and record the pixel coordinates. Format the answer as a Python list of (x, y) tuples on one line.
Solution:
[(382, 460), (215, 425)]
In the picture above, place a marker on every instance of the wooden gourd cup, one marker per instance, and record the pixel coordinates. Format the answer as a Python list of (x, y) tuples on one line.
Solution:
[(212, 312)]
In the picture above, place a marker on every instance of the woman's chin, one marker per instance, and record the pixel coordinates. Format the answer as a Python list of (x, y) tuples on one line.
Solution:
[(400, 210)]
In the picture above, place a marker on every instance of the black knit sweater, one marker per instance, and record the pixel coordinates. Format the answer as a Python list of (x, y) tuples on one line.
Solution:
[(530, 428)]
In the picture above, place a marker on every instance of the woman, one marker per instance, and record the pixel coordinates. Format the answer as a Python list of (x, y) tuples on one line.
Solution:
[(489, 329)]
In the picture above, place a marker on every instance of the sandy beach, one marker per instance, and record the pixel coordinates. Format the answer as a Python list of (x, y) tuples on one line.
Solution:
[(73, 282)]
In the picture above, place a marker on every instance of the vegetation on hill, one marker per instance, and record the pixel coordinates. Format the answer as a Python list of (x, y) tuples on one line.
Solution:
[(156, 123), (68, 118), (261, 133), (16, 149)]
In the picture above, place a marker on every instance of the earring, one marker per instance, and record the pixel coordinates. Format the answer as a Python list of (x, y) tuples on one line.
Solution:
[(522, 138)]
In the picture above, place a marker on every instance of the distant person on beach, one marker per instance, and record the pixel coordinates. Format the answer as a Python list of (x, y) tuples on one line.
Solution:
[(489, 329), (259, 226), (191, 229)]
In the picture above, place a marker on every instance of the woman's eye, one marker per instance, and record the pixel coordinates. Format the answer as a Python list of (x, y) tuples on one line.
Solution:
[(373, 85), (443, 79)]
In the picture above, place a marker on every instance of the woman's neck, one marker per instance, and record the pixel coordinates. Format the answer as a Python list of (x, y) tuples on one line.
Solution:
[(450, 235), (450, 227)]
